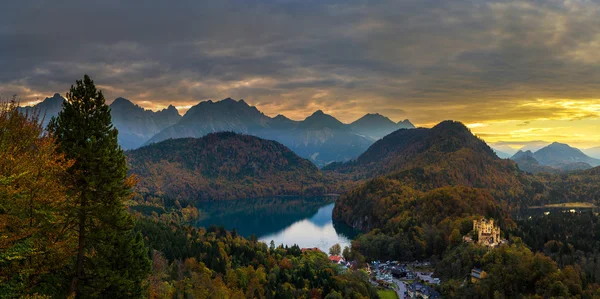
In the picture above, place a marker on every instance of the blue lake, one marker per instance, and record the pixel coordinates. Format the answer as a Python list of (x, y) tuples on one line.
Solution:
[(285, 220)]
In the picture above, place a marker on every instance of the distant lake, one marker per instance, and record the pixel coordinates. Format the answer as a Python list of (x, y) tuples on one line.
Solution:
[(285, 220)]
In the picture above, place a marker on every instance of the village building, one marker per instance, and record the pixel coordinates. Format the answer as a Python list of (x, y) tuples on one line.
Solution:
[(477, 275), (336, 259), (419, 290)]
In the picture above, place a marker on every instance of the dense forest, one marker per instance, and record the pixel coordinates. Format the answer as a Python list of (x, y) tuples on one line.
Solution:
[(513, 271), (66, 230), (215, 263), (580, 186), (571, 239), (224, 166)]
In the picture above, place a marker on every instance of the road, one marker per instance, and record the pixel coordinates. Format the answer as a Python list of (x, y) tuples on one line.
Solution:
[(401, 289)]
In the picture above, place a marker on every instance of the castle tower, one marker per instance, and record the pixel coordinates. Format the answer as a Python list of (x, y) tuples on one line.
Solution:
[(488, 233)]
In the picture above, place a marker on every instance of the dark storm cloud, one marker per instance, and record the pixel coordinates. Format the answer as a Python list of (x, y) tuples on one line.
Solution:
[(427, 60)]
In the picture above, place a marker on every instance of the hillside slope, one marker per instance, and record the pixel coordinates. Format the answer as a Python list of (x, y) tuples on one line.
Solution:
[(222, 166), (412, 163)]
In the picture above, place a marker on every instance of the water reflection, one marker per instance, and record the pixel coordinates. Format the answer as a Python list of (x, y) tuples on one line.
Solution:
[(288, 221)]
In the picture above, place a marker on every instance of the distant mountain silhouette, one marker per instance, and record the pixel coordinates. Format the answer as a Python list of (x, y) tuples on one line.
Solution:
[(523, 155), (376, 126), (501, 154), (223, 165), (555, 157), (46, 109), (136, 125), (406, 124), (534, 146), (320, 137), (559, 153), (593, 152), (526, 161)]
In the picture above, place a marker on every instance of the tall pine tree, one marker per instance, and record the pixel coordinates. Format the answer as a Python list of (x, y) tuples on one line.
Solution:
[(110, 261)]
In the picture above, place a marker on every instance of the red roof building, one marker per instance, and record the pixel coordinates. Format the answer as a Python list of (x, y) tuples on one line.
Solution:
[(335, 258)]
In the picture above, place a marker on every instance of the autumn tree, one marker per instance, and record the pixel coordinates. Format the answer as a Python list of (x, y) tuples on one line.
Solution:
[(110, 261), (35, 239)]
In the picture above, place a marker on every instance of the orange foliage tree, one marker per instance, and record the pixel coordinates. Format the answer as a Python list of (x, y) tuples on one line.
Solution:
[(34, 233)]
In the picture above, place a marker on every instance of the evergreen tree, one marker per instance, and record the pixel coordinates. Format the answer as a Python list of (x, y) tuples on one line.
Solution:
[(110, 260)]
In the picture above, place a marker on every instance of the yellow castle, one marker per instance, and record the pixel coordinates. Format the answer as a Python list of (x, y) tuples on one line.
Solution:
[(488, 233)]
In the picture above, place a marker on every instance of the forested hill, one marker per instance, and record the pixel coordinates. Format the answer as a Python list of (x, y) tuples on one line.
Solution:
[(445, 155), (416, 147), (429, 180), (222, 166)]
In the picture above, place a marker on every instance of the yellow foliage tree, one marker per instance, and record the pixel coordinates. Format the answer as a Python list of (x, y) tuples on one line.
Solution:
[(35, 236)]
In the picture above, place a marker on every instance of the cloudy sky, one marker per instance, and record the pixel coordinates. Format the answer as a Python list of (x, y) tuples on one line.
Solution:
[(513, 71)]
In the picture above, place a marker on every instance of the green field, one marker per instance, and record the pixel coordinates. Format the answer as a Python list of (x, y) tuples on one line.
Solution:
[(568, 205), (387, 294)]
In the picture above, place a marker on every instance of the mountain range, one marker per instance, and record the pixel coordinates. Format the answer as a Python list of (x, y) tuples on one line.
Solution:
[(320, 137), (555, 157), (135, 124)]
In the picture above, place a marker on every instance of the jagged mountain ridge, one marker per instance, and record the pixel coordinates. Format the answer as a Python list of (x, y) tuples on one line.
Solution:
[(376, 126), (46, 109), (320, 137), (135, 124)]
